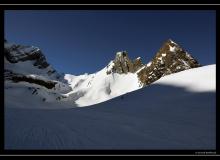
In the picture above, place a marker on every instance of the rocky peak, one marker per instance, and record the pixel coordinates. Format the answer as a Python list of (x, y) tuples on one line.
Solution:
[(16, 56), (18, 53), (170, 58), (28, 64), (122, 64), (174, 58)]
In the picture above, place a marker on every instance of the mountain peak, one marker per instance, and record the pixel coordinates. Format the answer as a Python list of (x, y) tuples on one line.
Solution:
[(122, 53), (122, 64), (30, 58), (170, 47), (19, 53), (170, 58)]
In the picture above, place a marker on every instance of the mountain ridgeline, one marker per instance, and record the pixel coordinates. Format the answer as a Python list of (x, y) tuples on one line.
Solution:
[(171, 58), (27, 64)]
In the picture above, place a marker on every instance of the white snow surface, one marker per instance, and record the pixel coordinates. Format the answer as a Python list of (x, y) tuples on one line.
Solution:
[(27, 68), (149, 64), (164, 54), (172, 49), (163, 115), (101, 86), (202, 79)]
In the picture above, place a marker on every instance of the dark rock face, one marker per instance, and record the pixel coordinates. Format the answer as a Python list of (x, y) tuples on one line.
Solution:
[(15, 53), (47, 84), (170, 58), (123, 65), (9, 75)]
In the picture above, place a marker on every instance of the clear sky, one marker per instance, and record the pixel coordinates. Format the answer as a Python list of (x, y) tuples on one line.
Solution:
[(84, 41)]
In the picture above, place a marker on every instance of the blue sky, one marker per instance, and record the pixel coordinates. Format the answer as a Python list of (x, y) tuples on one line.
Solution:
[(84, 41)]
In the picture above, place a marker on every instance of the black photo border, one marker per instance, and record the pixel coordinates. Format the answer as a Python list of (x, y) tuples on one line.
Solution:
[(108, 7)]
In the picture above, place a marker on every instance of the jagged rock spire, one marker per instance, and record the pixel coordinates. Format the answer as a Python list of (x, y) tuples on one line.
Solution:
[(123, 65)]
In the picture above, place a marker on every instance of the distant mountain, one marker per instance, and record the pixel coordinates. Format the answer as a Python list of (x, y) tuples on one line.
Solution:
[(26, 57), (28, 67)]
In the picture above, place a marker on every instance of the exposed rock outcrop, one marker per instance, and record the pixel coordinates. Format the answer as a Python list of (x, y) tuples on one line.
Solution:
[(170, 58), (122, 64)]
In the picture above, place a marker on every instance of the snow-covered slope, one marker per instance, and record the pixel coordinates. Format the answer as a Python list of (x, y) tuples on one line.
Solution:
[(28, 72), (202, 79), (95, 88), (159, 116)]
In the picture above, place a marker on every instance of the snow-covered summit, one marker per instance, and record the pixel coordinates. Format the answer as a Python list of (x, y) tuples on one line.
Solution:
[(19, 53), (27, 60), (27, 66)]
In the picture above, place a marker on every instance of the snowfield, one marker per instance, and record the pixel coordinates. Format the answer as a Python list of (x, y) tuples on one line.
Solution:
[(202, 79), (176, 112), (100, 86)]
